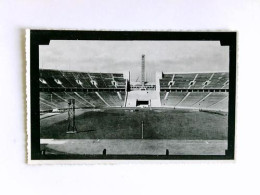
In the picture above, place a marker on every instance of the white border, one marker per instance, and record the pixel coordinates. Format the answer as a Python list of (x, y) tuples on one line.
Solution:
[(28, 94)]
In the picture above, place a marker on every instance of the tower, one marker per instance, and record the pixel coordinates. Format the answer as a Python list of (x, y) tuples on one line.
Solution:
[(71, 117), (143, 70)]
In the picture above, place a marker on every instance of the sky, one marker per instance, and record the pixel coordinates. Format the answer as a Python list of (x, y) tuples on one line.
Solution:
[(121, 56)]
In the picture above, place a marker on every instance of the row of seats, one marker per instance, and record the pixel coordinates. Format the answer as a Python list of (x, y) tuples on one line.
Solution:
[(195, 81), (59, 100), (64, 79), (199, 100), (115, 99)]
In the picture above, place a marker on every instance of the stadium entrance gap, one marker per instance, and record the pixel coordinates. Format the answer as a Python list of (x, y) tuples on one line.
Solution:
[(143, 103)]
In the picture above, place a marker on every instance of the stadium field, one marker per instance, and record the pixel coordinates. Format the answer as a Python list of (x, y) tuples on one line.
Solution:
[(158, 123)]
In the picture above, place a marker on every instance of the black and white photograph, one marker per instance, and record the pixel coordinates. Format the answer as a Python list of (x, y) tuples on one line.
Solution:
[(132, 95)]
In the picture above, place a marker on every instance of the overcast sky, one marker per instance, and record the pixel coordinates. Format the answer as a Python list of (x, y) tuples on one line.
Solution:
[(119, 56)]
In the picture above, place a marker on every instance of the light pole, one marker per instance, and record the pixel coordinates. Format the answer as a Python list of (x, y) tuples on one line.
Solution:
[(71, 117), (142, 129)]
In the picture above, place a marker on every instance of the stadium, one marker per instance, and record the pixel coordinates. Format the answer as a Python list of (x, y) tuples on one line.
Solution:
[(99, 113)]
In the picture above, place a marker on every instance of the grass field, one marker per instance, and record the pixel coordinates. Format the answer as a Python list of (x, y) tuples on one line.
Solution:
[(126, 124)]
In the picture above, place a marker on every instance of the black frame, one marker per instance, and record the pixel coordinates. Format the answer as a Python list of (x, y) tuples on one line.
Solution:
[(43, 37)]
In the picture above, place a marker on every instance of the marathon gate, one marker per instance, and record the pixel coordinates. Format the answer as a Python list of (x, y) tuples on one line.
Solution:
[(146, 103)]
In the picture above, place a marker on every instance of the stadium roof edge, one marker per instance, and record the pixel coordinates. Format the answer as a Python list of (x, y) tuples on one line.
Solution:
[(195, 72), (84, 71)]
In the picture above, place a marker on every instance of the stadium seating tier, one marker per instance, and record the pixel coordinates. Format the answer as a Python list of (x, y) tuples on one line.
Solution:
[(65, 79), (195, 81)]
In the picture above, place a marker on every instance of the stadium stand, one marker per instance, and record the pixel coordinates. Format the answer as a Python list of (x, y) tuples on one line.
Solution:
[(171, 99), (195, 90), (198, 100), (52, 81), (211, 99), (59, 100), (115, 99), (195, 81), (92, 98), (52, 100), (221, 105), (65, 79), (218, 80), (192, 98), (201, 80), (45, 107)]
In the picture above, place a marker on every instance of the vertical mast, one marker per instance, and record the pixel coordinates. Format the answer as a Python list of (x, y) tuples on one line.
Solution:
[(143, 70)]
